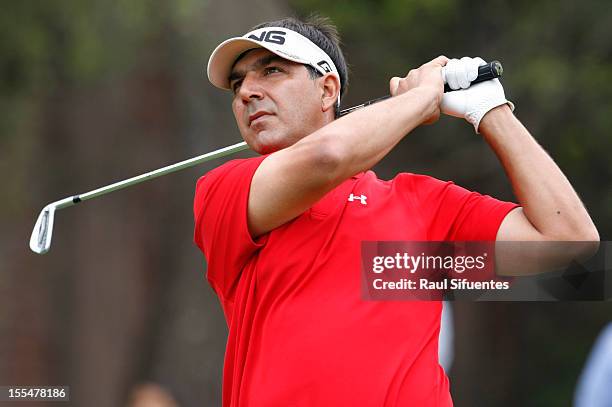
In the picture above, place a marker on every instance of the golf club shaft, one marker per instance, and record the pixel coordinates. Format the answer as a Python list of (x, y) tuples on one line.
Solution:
[(485, 72), (40, 240), (153, 174)]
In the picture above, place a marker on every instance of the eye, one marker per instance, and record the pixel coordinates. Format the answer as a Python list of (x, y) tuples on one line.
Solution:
[(236, 85), (271, 69)]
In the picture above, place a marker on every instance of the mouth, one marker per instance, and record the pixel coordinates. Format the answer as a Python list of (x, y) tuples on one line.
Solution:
[(257, 115)]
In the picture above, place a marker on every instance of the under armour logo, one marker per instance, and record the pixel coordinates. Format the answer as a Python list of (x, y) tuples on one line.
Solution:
[(361, 198)]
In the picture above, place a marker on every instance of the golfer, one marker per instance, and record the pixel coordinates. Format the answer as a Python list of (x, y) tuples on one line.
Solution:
[(282, 232)]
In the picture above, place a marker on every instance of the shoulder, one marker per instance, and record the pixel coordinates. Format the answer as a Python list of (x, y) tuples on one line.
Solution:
[(409, 183), (233, 166), (402, 177), (230, 173), (420, 184), (225, 180), (418, 179)]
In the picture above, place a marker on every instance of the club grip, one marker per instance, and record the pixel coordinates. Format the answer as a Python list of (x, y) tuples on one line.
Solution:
[(485, 72), (488, 71)]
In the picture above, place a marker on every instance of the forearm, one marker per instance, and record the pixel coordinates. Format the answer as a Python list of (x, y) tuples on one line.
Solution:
[(362, 138), (547, 197)]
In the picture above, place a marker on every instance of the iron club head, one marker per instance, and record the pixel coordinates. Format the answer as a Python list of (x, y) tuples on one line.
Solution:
[(40, 241)]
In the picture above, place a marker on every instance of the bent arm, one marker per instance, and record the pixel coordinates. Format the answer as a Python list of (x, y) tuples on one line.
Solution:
[(291, 180), (551, 209)]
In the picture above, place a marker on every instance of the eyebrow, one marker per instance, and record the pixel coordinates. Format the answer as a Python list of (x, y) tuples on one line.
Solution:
[(261, 62)]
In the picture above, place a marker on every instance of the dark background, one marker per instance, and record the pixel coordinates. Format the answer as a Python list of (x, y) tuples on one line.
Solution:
[(93, 91)]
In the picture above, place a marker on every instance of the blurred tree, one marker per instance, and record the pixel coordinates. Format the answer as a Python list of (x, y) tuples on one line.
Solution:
[(92, 92)]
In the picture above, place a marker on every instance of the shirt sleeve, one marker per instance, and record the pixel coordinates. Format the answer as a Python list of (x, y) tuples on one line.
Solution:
[(221, 229), (457, 214)]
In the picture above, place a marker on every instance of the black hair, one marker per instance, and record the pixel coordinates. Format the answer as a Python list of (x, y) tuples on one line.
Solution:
[(321, 31)]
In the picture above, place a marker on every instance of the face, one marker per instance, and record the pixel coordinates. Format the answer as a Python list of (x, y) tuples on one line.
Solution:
[(275, 102)]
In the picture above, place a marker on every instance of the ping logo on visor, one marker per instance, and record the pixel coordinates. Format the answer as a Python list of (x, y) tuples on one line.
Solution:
[(283, 42), (325, 66), (275, 37)]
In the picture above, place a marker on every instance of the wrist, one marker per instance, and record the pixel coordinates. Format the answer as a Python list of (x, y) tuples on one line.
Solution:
[(429, 99), (495, 118)]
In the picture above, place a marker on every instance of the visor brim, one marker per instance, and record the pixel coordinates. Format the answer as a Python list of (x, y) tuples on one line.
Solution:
[(225, 55)]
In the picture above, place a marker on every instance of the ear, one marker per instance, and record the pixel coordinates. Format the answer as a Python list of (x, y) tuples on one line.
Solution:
[(330, 90)]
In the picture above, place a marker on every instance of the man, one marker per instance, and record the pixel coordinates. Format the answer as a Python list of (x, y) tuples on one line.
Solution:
[(592, 389), (282, 232)]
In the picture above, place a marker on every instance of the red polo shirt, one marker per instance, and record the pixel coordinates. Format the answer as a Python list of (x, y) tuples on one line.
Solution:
[(299, 332)]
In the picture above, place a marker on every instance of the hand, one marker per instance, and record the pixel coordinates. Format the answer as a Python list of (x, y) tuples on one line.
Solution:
[(472, 102), (427, 77)]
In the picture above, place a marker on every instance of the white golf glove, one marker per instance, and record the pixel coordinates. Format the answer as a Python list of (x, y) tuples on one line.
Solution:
[(471, 102)]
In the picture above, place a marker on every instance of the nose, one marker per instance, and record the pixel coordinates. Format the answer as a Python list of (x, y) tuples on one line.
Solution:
[(250, 88)]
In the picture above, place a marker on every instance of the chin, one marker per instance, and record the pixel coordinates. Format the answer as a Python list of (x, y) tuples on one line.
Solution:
[(266, 143)]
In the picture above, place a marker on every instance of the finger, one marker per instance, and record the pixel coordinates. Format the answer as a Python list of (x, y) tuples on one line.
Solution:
[(441, 60), (393, 85), (481, 61), (463, 77), (451, 73), (453, 104)]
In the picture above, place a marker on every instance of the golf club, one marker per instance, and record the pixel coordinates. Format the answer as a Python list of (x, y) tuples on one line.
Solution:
[(40, 240)]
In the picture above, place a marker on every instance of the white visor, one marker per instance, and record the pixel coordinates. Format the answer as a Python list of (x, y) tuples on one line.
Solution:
[(283, 42)]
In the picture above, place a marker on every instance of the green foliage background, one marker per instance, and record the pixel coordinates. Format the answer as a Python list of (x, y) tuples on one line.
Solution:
[(95, 91)]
